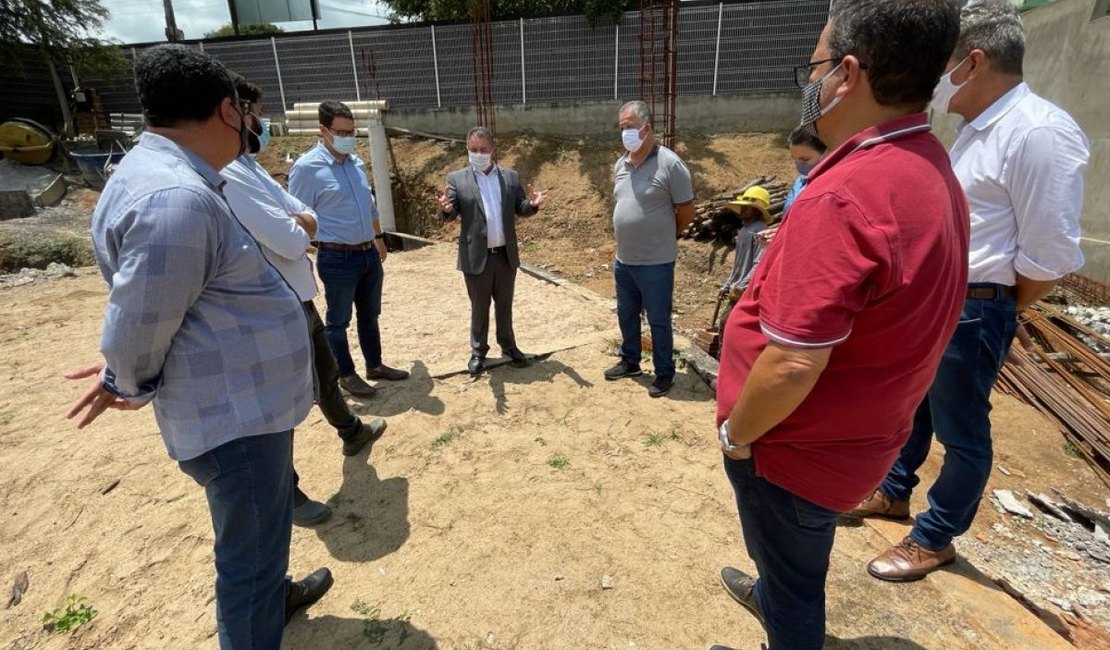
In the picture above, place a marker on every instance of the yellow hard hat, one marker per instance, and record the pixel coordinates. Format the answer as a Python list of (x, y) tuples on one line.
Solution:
[(756, 197)]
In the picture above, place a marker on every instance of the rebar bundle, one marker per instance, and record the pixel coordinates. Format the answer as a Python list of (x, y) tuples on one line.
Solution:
[(1067, 377)]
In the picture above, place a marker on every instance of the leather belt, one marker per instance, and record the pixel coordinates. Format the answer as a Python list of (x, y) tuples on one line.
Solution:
[(499, 250), (988, 291), (335, 246)]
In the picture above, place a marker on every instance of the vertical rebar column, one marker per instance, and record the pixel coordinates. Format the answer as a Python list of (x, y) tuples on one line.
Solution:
[(481, 47), (616, 62)]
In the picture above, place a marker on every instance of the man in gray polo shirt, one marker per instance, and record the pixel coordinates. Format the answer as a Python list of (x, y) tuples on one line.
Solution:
[(654, 202)]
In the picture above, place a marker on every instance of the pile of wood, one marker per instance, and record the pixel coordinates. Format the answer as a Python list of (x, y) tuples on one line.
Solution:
[(1068, 379), (717, 224)]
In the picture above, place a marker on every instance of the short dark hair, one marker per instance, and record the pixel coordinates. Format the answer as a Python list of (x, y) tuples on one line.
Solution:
[(180, 84), (247, 91), (801, 137), (330, 110), (903, 44)]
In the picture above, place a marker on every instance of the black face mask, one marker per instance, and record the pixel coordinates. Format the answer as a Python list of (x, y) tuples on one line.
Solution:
[(243, 132)]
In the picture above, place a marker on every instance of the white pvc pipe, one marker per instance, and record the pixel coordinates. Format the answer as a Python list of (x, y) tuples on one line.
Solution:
[(354, 66), (717, 56), (617, 62), (277, 66), (523, 85), (368, 104)]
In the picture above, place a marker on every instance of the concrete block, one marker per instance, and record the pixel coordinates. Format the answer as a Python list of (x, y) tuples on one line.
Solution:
[(15, 204)]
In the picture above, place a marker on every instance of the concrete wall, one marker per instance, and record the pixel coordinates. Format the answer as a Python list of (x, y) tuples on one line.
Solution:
[(695, 114)]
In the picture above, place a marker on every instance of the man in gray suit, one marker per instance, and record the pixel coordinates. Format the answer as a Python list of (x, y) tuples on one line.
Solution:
[(488, 198)]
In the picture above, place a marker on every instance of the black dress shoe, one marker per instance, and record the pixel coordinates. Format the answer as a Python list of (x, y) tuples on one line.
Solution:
[(304, 593), (475, 365), (520, 359)]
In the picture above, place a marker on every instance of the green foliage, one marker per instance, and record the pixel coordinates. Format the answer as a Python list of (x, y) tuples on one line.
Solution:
[(653, 440), (70, 616), (1071, 450), (456, 10), (63, 31), (444, 439), (372, 626), (259, 29), (558, 462)]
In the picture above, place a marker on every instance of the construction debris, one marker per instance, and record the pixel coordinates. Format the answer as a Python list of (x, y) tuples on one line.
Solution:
[(1067, 378), (1010, 503)]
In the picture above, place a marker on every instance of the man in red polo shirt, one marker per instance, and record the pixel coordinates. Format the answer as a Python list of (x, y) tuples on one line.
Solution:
[(839, 335)]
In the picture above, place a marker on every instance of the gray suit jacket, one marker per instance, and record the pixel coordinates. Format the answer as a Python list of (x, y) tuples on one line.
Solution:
[(462, 190)]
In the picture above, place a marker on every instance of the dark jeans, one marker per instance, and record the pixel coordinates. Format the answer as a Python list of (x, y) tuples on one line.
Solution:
[(790, 540), (957, 408), (649, 287), (248, 483), (352, 278)]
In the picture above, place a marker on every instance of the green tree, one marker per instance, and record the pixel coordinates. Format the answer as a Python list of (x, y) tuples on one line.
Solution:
[(62, 32), (454, 10), (245, 30)]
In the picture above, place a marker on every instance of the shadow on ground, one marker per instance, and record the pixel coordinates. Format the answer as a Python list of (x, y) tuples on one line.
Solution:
[(371, 516)]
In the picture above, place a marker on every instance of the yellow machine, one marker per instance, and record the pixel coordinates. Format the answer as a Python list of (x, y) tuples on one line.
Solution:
[(26, 141)]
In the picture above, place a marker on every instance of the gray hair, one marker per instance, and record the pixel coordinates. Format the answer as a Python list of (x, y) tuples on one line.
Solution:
[(482, 133), (993, 26), (639, 108)]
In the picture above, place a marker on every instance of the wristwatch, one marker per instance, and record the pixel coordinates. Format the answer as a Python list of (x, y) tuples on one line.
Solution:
[(726, 444), (380, 235)]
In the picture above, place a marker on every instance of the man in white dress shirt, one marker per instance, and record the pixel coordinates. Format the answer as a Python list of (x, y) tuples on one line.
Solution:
[(1020, 160), (283, 225)]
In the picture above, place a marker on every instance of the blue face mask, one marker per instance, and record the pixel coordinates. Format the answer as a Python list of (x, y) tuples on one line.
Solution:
[(264, 137), (344, 144), (803, 167)]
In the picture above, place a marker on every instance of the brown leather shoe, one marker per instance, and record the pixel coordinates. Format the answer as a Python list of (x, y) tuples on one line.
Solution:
[(882, 506), (908, 561)]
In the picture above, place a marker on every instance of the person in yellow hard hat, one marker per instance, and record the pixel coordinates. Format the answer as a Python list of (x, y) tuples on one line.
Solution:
[(753, 208)]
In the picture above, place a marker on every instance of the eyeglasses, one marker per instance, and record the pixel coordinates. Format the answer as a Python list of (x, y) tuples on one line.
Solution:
[(802, 73), (342, 134)]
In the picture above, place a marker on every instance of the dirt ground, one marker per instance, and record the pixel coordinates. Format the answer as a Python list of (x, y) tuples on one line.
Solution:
[(486, 518)]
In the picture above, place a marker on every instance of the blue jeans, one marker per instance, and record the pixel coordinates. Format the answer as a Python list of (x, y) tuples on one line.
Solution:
[(249, 486), (352, 278), (649, 287), (790, 540), (957, 408)]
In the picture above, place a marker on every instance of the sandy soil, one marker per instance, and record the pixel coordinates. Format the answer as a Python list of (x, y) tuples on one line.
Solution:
[(486, 518)]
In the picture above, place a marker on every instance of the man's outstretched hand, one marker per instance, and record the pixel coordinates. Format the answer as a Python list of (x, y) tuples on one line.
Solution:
[(96, 399)]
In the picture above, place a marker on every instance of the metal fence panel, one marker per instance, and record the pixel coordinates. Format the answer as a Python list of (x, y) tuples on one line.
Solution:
[(564, 59), (315, 68)]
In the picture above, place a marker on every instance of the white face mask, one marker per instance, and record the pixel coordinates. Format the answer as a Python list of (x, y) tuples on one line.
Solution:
[(945, 91), (631, 140), (480, 161), (344, 144)]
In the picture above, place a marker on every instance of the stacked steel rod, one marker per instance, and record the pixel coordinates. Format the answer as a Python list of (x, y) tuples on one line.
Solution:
[(715, 222), (1068, 379)]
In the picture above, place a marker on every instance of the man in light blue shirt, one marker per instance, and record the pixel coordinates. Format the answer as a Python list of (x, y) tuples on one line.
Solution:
[(331, 180), (199, 324), (282, 226)]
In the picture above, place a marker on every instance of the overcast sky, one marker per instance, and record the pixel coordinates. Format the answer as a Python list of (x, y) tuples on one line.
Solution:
[(143, 21)]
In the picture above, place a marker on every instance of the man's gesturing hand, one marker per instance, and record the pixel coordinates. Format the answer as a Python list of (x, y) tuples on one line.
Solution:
[(96, 399)]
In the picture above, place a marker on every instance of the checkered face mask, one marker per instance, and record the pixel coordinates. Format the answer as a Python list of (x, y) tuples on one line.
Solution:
[(811, 103)]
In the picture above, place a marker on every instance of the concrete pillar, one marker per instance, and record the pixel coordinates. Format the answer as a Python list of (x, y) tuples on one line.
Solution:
[(380, 165)]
